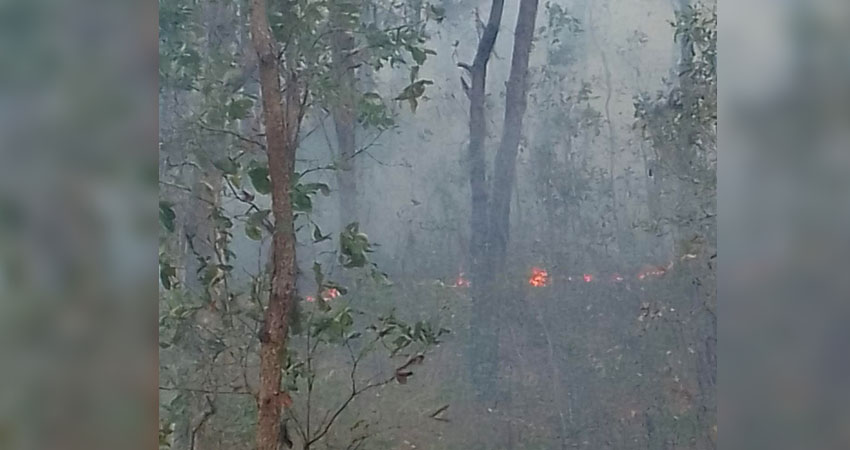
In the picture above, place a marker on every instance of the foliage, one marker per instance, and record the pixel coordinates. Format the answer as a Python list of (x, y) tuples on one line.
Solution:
[(681, 124), (205, 60)]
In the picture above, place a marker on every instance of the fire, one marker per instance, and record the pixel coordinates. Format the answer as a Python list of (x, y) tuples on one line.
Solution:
[(616, 278), (587, 278), (653, 271), (539, 277), (461, 281), (330, 293)]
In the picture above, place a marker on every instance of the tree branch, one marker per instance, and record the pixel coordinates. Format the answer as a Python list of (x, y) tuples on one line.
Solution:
[(232, 133), (202, 391)]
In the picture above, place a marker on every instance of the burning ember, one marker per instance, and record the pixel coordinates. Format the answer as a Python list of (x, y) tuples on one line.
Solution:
[(587, 278), (329, 294), (539, 277), (654, 271), (461, 281), (617, 278)]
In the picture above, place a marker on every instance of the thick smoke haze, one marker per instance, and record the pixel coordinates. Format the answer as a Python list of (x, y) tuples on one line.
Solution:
[(78, 205)]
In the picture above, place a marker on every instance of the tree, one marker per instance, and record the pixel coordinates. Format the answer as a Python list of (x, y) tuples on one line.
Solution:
[(344, 108), (681, 125), (483, 342), (295, 52), (516, 98), (282, 119), (490, 213)]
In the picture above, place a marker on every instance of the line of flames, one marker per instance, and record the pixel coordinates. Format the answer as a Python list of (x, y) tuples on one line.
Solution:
[(539, 278)]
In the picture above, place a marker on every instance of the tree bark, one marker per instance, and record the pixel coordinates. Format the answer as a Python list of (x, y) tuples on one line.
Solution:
[(516, 100), (281, 122), (483, 349), (343, 112), (483, 343), (477, 136)]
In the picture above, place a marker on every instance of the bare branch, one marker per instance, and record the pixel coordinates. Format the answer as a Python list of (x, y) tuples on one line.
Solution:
[(202, 391), (207, 414), (232, 133)]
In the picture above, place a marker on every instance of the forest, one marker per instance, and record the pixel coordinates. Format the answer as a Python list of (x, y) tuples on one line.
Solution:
[(437, 225)]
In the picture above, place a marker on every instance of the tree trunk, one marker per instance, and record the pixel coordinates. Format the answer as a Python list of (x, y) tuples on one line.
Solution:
[(281, 122), (683, 50), (612, 139), (483, 349), (516, 100), (477, 136), (343, 112)]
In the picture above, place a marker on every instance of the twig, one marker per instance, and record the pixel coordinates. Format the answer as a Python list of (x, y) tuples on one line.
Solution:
[(207, 414), (232, 133), (351, 396), (437, 413), (175, 186), (201, 391), (345, 404)]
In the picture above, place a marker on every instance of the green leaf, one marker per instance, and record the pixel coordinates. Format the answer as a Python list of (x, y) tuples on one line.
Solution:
[(239, 109), (167, 275), (253, 232), (312, 188), (301, 201), (260, 179), (353, 335), (236, 180), (212, 275), (220, 220), (418, 54), (318, 275), (256, 218), (414, 91), (353, 246), (318, 236), (438, 13), (381, 278), (167, 215), (227, 165)]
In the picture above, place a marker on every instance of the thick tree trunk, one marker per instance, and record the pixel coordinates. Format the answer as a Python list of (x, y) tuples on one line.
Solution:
[(516, 100), (477, 135), (344, 117), (281, 122), (483, 349)]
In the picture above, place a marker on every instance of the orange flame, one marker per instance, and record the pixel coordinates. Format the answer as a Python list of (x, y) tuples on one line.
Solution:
[(330, 293), (653, 271), (461, 281), (539, 277)]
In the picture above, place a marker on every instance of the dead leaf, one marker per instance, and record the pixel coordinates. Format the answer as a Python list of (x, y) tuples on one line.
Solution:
[(402, 375)]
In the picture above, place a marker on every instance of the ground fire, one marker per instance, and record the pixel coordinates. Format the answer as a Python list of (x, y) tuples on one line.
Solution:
[(539, 277), (461, 281)]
